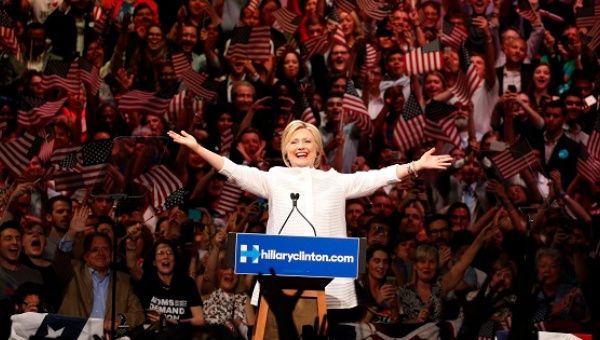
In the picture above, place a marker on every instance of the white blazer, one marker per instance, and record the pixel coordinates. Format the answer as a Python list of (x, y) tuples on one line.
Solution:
[(323, 196)]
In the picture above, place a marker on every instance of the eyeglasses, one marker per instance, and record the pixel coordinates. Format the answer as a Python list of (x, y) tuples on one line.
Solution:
[(164, 253)]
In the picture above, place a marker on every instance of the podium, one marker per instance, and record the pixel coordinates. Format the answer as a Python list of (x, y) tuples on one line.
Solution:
[(302, 265)]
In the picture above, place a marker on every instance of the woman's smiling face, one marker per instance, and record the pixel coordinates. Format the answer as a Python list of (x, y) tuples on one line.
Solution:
[(301, 150)]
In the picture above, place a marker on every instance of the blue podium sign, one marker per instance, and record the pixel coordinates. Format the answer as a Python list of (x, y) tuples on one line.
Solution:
[(303, 256)]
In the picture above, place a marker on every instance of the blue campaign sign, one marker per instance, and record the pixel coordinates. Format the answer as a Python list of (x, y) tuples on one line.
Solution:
[(297, 255)]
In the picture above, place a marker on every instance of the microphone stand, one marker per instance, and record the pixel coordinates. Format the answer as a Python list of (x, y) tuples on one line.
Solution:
[(294, 197), (115, 248)]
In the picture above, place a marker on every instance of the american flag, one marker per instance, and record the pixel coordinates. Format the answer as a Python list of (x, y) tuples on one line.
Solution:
[(226, 141), (197, 83), (588, 15), (229, 198), (345, 5), (66, 159), (181, 63), (16, 154), (89, 75), (513, 160), (290, 45), (371, 56), (439, 123), (592, 38), (143, 101), (7, 33), (408, 130), (161, 183), (175, 199), (99, 18), (83, 168), (593, 146), (315, 45), (540, 314), (374, 9), (3, 126), (288, 21), (468, 80), (454, 35), (338, 36), (424, 59), (252, 43), (46, 148), (254, 4), (302, 110), (588, 167), (356, 110), (62, 75), (177, 105), (38, 111)]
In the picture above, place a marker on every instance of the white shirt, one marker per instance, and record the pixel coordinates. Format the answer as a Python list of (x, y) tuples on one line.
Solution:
[(323, 196), (484, 99), (511, 78), (549, 146)]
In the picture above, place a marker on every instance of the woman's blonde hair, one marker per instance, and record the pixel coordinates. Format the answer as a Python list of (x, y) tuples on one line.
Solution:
[(286, 137), (358, 32), (426, 252)]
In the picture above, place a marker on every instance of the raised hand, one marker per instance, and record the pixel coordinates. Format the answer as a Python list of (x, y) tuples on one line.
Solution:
[(78, 222), (435, 162), (184, 138)]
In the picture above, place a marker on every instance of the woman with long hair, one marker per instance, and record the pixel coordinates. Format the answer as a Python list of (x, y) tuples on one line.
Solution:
[(167, 293)]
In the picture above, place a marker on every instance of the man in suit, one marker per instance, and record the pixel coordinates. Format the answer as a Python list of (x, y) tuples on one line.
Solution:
[(557, 151), (89, 282), (69, 28)]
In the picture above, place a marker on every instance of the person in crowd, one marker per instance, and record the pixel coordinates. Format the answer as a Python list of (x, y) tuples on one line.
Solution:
[(87, 282), (59, 211), (167, 292), (559, 304), (376, 295), (34, 243), (423, 300), (12, 272)]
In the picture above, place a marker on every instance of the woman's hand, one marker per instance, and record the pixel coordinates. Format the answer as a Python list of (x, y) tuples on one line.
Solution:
[(386, 294), (434, 162), (184, 138)]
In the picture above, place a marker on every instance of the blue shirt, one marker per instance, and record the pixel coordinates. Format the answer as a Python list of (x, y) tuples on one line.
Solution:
[(100, 293)]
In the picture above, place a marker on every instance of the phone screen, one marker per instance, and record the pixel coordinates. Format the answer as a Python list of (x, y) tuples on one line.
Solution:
[(194, 215)]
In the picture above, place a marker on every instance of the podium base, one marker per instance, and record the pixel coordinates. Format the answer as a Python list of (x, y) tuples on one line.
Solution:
[(313, 288)]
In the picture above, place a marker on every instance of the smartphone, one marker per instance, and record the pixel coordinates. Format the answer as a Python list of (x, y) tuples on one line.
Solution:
[(263, 204), (512, 88), (590, 100), (194, 215)]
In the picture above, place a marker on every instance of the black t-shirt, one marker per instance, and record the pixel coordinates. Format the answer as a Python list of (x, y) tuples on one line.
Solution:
[(173, 301)]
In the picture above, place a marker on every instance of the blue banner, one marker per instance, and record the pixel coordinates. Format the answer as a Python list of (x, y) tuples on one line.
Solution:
[(297, 255)]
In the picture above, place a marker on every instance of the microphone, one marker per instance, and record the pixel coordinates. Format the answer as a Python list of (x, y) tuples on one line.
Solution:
[(294, 197)]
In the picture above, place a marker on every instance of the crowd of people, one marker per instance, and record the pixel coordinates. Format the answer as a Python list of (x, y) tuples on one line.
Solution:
[(93, 184)]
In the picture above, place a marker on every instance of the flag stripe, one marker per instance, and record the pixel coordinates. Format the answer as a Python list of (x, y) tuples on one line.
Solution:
[(14, 153)]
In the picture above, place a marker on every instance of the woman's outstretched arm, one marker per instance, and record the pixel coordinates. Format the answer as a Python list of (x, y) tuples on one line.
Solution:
[(428, 161), (215, 160)]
